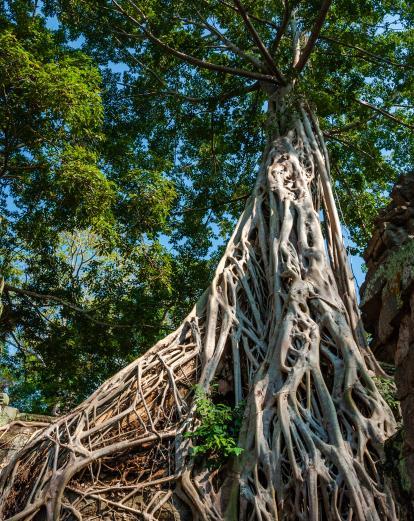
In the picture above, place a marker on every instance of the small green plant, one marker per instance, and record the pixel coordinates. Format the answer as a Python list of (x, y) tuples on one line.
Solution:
[(219, 426), (387, 389)]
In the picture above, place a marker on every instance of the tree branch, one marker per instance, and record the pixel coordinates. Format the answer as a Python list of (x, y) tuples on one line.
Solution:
[(352, 146), (252, 16), (192, 60), (384, 113), (376, 109), (282, 27), (233, 47), (208, 100), (363, 51), (191, 99), (261, 46), (25, 292), (304, 56), (216, 205), (24, 350), (353, 125)]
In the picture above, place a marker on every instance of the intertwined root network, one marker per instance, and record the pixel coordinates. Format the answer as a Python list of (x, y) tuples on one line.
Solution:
[(278, 326)]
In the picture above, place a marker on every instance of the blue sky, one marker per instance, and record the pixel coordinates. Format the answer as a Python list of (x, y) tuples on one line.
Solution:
[(355, 261)]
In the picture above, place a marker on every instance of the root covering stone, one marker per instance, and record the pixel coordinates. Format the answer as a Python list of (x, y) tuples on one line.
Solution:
[(280, 318)]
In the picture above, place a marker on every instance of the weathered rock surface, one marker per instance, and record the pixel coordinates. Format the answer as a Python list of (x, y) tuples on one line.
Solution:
[(16, 429), (13, 437), (387, 300)]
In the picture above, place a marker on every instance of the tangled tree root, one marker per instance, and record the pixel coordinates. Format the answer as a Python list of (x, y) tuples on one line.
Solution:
[(279, 325)]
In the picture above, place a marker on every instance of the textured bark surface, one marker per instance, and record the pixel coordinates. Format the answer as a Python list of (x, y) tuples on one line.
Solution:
[(388, 300), (279, 324)]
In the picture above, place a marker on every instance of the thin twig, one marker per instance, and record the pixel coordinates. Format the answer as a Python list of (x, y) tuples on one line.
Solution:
[(28, 293), (364, 51), (384, 113)]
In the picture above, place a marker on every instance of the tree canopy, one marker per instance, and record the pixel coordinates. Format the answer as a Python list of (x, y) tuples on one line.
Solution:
[(358, 75), (87, 282)]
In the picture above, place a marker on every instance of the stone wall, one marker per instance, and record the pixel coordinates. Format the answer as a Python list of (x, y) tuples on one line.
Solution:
[(16, 429), (14, 436), (387, 300)]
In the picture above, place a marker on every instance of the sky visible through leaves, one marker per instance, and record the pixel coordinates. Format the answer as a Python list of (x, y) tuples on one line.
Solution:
[(356, 261)]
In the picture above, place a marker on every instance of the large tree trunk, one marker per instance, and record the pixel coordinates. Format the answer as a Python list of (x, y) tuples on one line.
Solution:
[(279, 325)]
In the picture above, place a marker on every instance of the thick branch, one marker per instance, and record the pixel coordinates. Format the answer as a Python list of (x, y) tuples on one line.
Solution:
[(258, 41), (192, 60), (304, 57), (282, 27)]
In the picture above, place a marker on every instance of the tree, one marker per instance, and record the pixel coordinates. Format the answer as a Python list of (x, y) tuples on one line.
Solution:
[(279, 327), (73, 285)]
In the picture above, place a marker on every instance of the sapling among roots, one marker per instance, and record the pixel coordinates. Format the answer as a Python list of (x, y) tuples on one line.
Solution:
[(279, 324)]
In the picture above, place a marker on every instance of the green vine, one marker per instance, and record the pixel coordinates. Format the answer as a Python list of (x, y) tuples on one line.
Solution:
[(215, 438)]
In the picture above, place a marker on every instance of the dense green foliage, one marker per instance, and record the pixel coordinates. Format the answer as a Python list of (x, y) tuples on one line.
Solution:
[(386, 387), (87, 281), (124, 166)]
